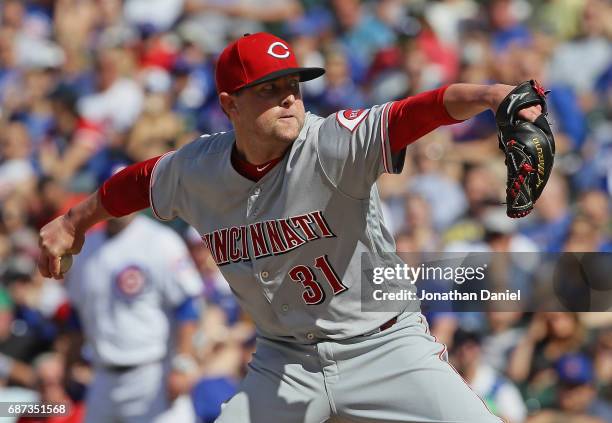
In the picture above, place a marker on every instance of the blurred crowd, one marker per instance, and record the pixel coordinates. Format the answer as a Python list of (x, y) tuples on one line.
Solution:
[(88, 86)]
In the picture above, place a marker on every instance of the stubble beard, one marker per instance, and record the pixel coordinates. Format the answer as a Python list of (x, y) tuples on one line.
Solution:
[(286, 134)]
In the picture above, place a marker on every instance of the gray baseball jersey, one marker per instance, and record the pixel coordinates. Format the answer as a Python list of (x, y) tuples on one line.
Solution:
[(291, 247), (291, 244)]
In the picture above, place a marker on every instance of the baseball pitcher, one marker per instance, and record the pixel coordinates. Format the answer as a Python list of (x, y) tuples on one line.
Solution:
[(287, 202)]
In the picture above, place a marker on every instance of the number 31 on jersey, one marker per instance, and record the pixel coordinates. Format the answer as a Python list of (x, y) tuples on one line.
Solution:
[(313, 291)]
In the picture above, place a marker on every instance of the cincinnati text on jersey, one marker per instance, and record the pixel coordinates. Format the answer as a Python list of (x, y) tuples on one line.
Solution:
[(262, 239)]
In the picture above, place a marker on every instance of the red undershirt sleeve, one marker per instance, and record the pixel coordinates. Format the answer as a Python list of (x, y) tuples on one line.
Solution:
[(415, 116), (128, 191)]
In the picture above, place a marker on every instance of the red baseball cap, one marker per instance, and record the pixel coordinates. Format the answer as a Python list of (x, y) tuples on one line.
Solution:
[(256, 58)]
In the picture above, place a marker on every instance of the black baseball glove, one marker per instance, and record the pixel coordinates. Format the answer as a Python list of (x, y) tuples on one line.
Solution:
[(529, 147)]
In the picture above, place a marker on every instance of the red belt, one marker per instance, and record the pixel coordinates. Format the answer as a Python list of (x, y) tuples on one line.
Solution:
[(382, 327), (388, 324)]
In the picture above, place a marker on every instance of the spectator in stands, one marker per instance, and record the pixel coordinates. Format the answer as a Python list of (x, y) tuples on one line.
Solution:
[(481, 192), (118, 102), (577, 397), (499, 394), (595, 206), (50, 373), (16, 170), (158, 129), (441, 191), (340, 92), (549, 336), (602, 362), (13, 371), (418, 224), (503, 334), (26, 332), (553, 216), (592, 50)]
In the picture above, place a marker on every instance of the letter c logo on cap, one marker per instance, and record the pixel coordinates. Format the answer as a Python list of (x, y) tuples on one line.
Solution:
[(283, 46)]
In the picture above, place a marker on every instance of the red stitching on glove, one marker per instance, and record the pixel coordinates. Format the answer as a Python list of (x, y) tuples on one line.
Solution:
[(539, 88)]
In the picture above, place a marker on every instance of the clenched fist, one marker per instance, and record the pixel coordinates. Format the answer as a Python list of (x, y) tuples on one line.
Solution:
[(58, 238)]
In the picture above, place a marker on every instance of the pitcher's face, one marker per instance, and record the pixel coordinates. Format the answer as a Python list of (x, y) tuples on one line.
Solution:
[(273, 111)]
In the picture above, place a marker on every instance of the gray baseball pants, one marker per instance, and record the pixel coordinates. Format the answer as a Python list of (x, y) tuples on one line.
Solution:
[(398, 375)]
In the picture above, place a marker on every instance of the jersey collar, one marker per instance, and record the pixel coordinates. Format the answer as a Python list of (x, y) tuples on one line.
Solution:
[(249, 170)]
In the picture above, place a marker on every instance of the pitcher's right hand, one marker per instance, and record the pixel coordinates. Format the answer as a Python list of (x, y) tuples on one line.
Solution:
[(56, 239)]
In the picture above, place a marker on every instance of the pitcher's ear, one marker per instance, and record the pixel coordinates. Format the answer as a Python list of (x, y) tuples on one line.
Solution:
[(228, 103)]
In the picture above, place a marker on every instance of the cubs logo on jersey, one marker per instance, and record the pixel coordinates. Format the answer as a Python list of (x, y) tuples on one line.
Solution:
[(350, 119), (131, 282)]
